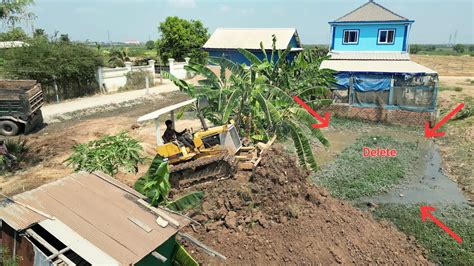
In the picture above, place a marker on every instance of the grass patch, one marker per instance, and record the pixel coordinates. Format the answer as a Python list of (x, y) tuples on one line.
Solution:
[(352, 176), (442, 249)]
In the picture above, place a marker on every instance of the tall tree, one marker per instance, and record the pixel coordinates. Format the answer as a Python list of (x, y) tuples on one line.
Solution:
[(14, 11), (181, 38)]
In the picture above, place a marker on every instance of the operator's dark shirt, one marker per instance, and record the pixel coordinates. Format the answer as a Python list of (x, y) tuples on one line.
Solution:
[(171, 134)]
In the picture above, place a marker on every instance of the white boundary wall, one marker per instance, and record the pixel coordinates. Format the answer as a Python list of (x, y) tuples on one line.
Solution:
[(177, 68), (111, 79)]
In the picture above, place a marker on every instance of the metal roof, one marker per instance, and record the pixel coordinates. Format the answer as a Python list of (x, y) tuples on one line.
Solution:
[(366, 66), (250, 38), (369, 55), (371, 11), (99, 209)]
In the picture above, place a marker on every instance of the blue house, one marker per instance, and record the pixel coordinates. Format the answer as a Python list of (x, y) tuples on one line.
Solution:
[(370, 27), (369, 52), (225, 42)]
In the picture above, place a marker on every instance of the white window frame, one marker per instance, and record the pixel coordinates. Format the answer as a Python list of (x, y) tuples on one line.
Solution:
[(349, 31), (386, 36)]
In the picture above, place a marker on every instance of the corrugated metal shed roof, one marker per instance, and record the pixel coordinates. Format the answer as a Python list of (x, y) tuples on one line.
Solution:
[(250, 38), (340, 55), (98, 208), (365, 66), (371, 11)]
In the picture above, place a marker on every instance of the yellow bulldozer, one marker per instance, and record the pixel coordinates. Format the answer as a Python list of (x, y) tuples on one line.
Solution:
[(215, 152)]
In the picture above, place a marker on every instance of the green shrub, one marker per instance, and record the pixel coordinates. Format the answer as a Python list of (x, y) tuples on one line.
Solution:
[(459, 48), (458, 89), (17, 147), (137, 80), (109, 154)]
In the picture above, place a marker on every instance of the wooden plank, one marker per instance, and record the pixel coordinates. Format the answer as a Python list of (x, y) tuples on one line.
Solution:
[(140, 224)]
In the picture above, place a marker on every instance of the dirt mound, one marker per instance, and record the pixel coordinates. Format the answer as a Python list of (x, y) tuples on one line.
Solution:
[(276, 215)]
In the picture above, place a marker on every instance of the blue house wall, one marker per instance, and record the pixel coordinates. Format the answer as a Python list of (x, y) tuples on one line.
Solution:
[(368, 37), (235, 56)]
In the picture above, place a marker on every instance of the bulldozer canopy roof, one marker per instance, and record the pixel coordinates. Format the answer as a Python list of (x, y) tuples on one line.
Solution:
[(156, 114)]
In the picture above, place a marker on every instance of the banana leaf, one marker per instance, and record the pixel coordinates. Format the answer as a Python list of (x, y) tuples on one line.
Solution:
[(186, 202)]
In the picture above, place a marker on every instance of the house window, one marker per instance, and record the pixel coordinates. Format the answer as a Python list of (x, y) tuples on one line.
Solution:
[(386, 36), (351, 37)]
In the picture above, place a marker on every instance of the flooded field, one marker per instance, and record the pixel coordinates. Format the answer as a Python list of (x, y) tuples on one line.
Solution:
[(430, 185)]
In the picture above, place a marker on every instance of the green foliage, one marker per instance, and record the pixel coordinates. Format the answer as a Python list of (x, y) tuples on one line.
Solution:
[(352, 176), (465, 112), (186, 202), (17, 147), (118, 57), (136, 80), (471, 48), (414, 49), (14, 11), (150, 45), (181, 38), (260, 98), (442, 249), (71, 65), (108, 154), (155, 184), (8, 260), (182, 257), (14, 34), (459, 48)]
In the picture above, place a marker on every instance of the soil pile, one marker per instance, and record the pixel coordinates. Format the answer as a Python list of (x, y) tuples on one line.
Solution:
[(275, 215)]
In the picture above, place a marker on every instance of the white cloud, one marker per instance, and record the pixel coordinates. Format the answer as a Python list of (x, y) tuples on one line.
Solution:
[(183, 3)]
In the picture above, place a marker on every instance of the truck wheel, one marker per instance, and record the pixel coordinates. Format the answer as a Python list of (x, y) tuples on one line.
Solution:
[(9, 128)]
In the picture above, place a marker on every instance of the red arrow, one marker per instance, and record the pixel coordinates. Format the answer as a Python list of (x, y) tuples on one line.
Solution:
[(426, 212), (431, 132), (324, 121)]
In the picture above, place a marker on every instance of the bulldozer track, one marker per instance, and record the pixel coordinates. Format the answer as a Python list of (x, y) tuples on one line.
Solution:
[(202, 170)]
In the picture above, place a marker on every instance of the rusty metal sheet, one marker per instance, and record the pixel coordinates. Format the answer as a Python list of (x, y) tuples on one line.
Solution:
[(98, 209)]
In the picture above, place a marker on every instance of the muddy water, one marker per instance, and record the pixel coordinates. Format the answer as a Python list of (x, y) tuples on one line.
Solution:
[(429, 186)]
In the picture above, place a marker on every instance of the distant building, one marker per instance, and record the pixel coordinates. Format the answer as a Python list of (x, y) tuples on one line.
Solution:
[(134, 42), (225, 42), (369, 52), (87, 219), (11, 44)]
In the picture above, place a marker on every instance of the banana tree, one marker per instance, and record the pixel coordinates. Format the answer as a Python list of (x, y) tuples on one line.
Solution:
[(155, 185)]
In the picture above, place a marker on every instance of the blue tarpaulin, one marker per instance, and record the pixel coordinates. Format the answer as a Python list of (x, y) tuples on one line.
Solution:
[(342, 81), (363, 82)]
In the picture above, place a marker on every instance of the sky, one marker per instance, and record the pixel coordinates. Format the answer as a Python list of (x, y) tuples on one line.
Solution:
[(97, 20)]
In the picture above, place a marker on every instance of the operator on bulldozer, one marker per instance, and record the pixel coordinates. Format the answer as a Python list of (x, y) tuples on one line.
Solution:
[(171, 135)]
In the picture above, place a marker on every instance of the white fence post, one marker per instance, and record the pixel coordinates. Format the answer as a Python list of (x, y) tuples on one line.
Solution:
[(171, 64), (151, 63), (128, 65)]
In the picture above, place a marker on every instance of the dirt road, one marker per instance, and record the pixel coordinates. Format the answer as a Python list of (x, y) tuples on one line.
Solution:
[(58, 112)]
